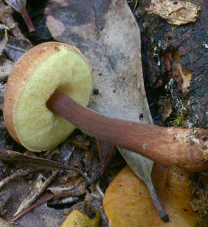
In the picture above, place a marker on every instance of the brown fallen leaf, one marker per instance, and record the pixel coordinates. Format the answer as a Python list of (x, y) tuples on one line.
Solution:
[(127, 201), (175, 12), (77, 218)]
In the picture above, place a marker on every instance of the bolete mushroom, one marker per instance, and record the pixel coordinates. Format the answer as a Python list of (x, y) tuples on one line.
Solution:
[(33, 79), (38, 94)]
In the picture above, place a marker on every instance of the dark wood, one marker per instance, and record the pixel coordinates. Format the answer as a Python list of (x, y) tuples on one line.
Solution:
[(164, 46), (167, 146)]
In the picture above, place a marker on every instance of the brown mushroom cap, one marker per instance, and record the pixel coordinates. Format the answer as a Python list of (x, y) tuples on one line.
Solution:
[(33, 79)]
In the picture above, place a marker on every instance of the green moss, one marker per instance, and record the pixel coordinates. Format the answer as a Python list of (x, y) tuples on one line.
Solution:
[(181, 117)]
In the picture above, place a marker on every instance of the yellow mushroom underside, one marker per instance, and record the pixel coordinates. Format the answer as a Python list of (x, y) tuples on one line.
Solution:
[(37, 127)]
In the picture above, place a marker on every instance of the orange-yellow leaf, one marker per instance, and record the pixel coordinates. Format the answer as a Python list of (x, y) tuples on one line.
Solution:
[(127, 200)]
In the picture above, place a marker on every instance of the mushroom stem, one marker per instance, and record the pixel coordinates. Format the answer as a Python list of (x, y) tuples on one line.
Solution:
[(167, 146)]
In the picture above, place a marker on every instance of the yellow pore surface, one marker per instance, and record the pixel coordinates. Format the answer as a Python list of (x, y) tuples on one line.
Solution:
[(37, 127)]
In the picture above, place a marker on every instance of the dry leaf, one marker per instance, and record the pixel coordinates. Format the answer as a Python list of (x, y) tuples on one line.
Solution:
[(127, 201), (77, 218), (175, 12)]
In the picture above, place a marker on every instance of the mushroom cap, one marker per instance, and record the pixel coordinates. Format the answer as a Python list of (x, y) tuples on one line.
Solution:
[(33, 79)]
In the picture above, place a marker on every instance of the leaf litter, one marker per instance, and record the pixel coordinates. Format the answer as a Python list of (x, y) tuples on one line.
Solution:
[(94, 27)]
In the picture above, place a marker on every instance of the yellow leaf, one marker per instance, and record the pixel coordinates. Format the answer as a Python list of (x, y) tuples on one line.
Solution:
[(127, 200), (78, 219)]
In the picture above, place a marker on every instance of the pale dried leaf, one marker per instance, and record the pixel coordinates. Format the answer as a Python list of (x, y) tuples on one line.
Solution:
[(111, 42)]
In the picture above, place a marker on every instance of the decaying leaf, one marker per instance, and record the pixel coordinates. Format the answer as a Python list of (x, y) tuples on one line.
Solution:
[(127, 201), (175, 12), (77, 218)]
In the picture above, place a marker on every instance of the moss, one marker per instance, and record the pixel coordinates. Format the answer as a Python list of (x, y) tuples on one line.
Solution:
[(180, 116)]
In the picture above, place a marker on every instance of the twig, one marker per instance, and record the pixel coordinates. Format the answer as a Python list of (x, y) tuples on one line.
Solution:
[(38, 190), (45, 198), (99, 190), (16, 175)]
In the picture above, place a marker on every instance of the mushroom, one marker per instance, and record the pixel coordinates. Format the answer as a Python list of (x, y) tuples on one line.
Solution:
[(39, 93), (33, 79)]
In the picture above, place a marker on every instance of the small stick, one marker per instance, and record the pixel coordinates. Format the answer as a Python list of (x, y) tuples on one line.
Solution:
[(179, 146), (16, 175), (28, 21), (38, 189), (45, 198)]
